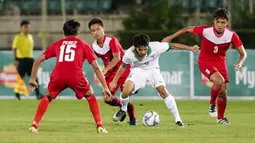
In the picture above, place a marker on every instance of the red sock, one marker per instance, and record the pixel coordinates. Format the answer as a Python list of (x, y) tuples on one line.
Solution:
[(41, 109), (115, 101), (214, 94), (221, 105), (131, 111), (95, 110)]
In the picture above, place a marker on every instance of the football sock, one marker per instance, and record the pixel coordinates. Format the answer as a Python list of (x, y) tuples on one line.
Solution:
[(115, 101), (95, 109), (41, 109), (131, 111), (124, 103), (221, 104), (171, 105), (214, 94)]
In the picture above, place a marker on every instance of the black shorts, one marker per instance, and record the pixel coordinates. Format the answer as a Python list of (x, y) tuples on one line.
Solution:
[(25, 66)]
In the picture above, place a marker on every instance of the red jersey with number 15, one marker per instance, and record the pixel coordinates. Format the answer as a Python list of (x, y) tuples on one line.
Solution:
[(70, 54), (213, 47)]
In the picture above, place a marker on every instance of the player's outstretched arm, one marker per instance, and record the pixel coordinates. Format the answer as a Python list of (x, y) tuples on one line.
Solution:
[(194, 48), (120, 71), (178, 33), (32, 82), (100, 76), (243, 56)]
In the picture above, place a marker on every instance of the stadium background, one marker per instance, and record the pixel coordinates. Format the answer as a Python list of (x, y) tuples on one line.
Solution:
[(122, 19)]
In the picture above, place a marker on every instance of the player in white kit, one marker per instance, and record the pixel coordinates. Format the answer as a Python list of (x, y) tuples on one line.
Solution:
[(143, 57)]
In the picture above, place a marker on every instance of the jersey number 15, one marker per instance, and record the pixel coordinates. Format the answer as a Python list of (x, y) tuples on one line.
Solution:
[(67, 53)]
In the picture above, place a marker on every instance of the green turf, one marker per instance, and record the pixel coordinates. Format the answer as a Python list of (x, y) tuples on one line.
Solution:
[(70, 121)]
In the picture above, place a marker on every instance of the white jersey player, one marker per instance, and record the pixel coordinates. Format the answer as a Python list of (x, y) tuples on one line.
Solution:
[(144, 60)]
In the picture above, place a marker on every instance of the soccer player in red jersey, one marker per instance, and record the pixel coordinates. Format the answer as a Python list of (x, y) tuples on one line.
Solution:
[(215, 41), (110, 51), (70, 53)]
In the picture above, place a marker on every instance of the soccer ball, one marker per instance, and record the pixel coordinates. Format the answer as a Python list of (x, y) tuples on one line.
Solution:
[(150, 119)]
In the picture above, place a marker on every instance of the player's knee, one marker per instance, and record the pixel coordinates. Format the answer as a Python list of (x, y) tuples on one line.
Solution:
[(128, 88), (162, 91), (219, 83), (89, 93), (49, 98)]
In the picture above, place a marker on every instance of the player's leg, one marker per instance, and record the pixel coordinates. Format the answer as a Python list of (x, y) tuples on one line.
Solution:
[(158, 82), (41, 109), (130, 106), (95, 109), (124, 100), (136, 81), (218, 81), (222, 104), (54, 88), (21, 71), (82, 89), (29, 67)]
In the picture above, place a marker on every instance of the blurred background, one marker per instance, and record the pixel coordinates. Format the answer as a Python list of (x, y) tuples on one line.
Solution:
[(124, 18)]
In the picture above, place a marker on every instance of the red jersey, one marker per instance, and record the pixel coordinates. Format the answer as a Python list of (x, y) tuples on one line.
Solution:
[(111, 45), (70, 54), (213, 47)]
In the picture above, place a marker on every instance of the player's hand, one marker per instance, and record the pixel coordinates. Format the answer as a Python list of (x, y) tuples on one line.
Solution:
[(107, 91), (113, 85), (195, 48), (238, 67), (104, 70), (32, 85)]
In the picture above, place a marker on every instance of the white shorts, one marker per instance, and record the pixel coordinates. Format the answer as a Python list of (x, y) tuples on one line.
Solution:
[(140, 77)]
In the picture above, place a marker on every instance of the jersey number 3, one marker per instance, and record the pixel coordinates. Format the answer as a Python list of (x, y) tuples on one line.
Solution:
[(216, 49), (67, 53)]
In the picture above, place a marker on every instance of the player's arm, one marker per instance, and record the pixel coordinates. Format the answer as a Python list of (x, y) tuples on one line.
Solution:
[(239, 46), (36, 65), (194, 48), (121, 70), (14, 49), (99, 73), (115, 46), (114, 61), (178, 33), (32, 83), (243, 54)]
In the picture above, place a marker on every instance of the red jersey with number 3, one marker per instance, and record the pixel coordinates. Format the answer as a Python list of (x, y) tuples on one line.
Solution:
[(70, 54), (213, 47)]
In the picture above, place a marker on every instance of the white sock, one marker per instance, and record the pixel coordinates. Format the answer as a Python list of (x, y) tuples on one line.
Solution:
[(171, 105), (124, 103)]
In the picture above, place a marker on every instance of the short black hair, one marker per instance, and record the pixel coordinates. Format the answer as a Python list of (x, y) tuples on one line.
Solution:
[(24, 22), (96, 20), (141, 39), (221, 13), (71, 27)]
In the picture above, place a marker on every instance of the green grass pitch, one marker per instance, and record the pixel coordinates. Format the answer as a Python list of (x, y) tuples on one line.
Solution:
[(70, 121)]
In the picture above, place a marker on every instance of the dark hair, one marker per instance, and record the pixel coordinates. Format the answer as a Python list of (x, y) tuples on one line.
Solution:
[(96, 20), (71, 27), (24, 22), (141, 39), (221, 13)]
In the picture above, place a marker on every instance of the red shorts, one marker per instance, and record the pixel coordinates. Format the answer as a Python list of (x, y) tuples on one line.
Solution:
[(78, 84), (109, 76), (208, 69)]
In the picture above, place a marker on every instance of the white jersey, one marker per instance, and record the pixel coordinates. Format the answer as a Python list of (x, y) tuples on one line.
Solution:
[(151, 60)]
